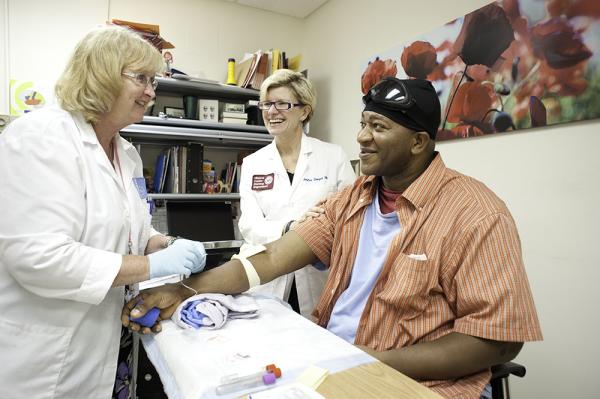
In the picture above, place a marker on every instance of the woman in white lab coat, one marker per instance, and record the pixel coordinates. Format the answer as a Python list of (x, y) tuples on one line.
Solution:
[(283, 180), (74, 224)]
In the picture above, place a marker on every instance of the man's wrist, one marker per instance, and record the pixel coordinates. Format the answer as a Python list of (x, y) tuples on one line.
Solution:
[(183, 293), (169, 240)]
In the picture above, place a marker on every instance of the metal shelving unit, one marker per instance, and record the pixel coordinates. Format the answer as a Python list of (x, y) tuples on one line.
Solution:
[(191, 87), (203, 197), (210, 133), (164, 131)]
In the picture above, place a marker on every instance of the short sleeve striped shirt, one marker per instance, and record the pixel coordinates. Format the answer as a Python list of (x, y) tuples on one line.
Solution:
[(473, 280)]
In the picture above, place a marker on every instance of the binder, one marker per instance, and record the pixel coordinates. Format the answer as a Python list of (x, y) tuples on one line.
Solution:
[(260, 72), (194, 177), (161, 161)]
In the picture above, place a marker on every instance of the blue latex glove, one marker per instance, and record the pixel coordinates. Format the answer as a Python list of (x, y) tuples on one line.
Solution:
[(181, 257)]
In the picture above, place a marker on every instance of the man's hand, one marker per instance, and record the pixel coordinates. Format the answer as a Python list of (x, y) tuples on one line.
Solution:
[(166, 298), (368, 350)]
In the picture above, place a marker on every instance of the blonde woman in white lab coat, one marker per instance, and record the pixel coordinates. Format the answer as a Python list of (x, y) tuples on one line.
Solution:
[(75, 227), (283, 180)]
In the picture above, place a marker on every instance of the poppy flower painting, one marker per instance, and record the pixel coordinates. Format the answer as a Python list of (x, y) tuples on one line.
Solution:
[(510, 65)]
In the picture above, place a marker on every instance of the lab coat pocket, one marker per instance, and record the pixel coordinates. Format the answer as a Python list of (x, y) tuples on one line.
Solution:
[(409, 284), (32, 358)]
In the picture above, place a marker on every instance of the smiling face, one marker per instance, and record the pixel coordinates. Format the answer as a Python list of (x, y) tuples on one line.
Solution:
[(397, 154), (283, 122), (130, 105)]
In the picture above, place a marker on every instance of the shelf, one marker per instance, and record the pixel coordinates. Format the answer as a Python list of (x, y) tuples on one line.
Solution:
[(165, 121), (201, 134), (203, 197), (217, 90)]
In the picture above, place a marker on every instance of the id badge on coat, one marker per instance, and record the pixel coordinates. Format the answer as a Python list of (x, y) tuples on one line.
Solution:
[(140, 186), (263, 182)]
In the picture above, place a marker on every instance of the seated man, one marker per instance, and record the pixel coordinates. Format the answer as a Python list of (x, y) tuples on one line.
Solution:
[(426, 271)]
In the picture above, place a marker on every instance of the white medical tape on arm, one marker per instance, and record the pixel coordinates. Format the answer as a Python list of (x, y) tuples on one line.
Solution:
[(246, 251)]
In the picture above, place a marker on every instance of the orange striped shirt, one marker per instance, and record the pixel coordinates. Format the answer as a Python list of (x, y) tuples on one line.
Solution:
[(473, 281)]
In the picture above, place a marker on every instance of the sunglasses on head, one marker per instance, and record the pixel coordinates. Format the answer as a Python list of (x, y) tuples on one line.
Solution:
[(390, 93)]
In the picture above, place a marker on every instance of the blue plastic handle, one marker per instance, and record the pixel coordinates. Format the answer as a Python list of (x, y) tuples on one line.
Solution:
[(148, 319)]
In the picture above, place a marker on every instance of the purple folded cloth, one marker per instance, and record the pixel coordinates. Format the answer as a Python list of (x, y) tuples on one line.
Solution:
[(191, 316), (211, 311)]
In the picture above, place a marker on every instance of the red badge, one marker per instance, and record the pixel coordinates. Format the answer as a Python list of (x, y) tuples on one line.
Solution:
[(263, 182)]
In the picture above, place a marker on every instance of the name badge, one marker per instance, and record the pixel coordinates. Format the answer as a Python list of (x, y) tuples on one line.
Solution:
[(263, 182), (140, 186)]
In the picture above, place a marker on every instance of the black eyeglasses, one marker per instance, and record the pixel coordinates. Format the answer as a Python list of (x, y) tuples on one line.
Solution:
[(390, 93), (279, 105)]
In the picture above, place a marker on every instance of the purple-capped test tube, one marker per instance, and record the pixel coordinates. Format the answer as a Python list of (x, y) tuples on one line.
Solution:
[(239, 383)]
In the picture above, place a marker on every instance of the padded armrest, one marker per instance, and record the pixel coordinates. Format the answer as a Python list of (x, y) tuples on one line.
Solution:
[(505, 369)]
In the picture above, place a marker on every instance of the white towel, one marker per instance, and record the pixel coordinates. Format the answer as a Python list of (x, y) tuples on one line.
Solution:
[(211, 311)]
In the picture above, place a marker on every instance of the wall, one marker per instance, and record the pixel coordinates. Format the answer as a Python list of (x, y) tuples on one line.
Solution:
[(41, 36), (548, 177), (207, 32), (3, 56)]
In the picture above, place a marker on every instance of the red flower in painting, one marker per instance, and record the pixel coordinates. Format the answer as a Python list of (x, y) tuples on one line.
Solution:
[(419, 59), (484, 36), (558, 44), (537, 111), (471, 103), (375, 71), (513, 12), (574, 8)]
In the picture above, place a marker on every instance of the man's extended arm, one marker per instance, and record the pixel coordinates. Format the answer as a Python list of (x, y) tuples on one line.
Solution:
[(452, 356), (283, 256)]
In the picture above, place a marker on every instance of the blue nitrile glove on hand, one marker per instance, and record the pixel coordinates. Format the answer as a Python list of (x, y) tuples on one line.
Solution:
[(181, 257)]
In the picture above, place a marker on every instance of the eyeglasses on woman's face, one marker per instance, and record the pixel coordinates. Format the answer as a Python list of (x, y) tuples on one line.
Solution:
[(279, 105), (142, 79)]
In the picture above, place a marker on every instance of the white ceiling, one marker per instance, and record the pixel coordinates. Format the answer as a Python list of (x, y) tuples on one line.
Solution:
[(294, 8)]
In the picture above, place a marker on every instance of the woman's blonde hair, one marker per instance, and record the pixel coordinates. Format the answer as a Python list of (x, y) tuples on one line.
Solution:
[(301, 87), (92, 79)]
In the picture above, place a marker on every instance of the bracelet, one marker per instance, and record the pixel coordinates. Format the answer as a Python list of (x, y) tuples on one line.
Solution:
[(169, 241), (188, 287)]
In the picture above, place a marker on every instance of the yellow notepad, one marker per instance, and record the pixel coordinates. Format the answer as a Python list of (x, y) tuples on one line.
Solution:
[(313, 376)]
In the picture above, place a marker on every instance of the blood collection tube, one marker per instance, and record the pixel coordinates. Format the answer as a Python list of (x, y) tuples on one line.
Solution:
[(239, 383)]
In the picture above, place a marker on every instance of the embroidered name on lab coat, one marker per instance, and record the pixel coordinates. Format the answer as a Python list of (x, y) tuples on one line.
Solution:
[(323, 178), (263, 182)]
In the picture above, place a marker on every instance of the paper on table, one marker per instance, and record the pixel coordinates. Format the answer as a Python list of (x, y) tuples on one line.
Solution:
[(192, 362), (290, 391), (313, 376)]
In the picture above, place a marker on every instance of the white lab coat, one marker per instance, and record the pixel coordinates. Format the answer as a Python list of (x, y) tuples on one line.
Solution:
[(65, 219), (322, 168)]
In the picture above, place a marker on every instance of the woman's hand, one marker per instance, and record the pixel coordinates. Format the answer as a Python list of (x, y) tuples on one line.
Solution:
[(166, 298), (312, 212)]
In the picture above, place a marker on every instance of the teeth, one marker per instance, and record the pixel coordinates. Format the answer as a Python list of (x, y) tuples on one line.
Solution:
[(275, 120), (143, 104)]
